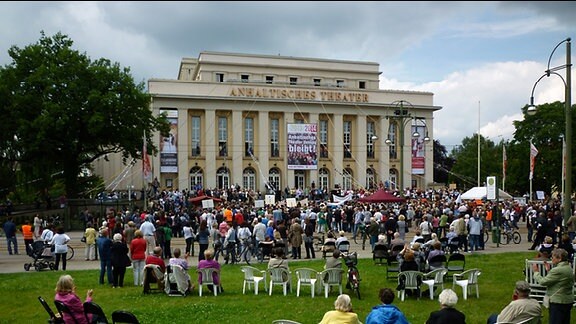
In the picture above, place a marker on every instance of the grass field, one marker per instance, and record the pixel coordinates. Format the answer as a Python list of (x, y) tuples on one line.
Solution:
[(19, 304)]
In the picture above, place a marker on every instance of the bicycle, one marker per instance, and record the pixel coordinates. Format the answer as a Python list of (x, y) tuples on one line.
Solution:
[(70, 253), (363, 230), (353, 275), (248, 251), (510, 234)]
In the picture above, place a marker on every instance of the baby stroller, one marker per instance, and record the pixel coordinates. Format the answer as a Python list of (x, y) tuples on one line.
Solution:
[(42, 256)]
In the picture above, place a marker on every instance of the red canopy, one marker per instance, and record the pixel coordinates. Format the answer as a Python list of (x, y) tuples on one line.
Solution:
[(381, 196)]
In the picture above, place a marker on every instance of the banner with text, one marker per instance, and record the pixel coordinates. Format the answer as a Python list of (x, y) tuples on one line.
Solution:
[(168, 144), (418, 152), (302, 146)]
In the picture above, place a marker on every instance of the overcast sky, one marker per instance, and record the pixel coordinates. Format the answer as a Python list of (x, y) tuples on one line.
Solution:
[(480, 59)]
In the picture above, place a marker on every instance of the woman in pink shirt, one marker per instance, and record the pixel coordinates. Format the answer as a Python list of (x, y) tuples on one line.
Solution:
[(66, 293)]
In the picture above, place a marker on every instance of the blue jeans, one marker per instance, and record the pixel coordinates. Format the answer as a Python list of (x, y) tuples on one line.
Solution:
[(474, 242), (11, 241), (106, 267)]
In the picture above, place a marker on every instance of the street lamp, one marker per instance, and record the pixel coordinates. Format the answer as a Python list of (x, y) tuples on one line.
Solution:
[(403, 117), (531, 110)]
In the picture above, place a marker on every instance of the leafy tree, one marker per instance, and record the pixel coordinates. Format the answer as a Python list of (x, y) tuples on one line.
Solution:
[(62, 111), (442, 163), (465, 170), (546, 130)]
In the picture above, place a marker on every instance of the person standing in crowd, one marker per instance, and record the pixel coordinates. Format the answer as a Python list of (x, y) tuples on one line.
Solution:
[(342, 313), (37, 226), (119, 259), (28, 233), (60, 242), (520, 309), (309, 238), (47, 234), (295, 237), (560, 285), (447, 312), (10, 232), (189, 237), (148, 232), (90, 249), (129, 232), (104, 244), (203, 238), (66, 293), (386, 313), (138, 255)]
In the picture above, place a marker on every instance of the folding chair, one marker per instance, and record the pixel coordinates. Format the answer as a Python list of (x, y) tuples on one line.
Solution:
[(63, 309), (122, 316), (380, 253), (153, 274), (456, 263), (97, 314), (56, 319)]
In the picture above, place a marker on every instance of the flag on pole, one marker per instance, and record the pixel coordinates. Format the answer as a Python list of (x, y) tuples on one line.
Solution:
[(504, 163), (533, 153), (146, 168)]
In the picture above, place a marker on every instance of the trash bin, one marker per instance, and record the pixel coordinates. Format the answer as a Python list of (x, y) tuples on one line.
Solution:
[(495, 236)]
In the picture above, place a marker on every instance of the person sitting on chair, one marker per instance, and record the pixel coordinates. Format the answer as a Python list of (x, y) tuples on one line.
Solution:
[(436, 250), (447, 313), (396, 241), (334, 261), (343, 312), (182, 262), (341, 239), (417, 236), (386, 313), (66, 293), (520, 309), (329, 243), (209, 262), (156, 258)]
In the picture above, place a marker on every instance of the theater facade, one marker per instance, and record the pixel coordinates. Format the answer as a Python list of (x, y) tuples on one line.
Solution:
[(267, 122)]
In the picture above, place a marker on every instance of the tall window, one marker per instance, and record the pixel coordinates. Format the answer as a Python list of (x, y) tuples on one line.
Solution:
[(249, 179), (196, 178), (274, 138), (222, 136), (347, 139), (274, 179), (347, 179), (324, 178), (392, 138), (248, 137), (370, 131), (370, 179), (223, 178), (219, 77), (195, 136), (299, 178), (324, 139), (393, 178)]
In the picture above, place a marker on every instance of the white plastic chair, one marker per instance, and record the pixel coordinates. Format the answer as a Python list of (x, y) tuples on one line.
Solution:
[(331, 277), (208, 279), (434, 278), (253, 276), (279, 277), (467, 279), (306, 277), (412, 280)]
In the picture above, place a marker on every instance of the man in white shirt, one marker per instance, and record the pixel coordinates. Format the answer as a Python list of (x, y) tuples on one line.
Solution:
[(148, 230), (260, 231)]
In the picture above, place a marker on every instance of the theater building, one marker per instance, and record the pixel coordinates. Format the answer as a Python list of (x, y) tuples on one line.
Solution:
[(266, 121)]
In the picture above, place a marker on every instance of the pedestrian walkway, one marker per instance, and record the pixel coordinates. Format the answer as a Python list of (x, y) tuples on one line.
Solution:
[(15, 263)]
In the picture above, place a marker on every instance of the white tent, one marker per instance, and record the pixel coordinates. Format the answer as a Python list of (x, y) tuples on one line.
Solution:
[(480, 192)]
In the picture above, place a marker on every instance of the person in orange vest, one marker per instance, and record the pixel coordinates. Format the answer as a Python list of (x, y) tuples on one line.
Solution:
[(28, 234), (228, 215)]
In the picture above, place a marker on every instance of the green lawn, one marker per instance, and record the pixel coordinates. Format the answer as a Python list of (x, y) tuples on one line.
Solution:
[(19, 304)]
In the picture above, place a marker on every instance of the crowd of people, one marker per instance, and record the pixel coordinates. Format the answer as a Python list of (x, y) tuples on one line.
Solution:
[(138, 237)]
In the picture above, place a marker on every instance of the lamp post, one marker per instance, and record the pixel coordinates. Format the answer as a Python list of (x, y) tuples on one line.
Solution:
[(567, 194), (403, 117)]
